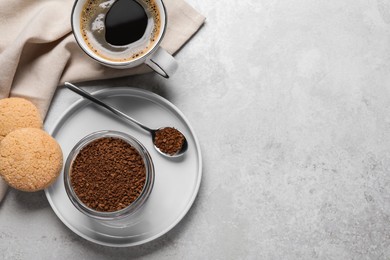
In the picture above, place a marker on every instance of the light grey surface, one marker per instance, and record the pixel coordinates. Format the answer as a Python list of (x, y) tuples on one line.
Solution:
[(291, 103)]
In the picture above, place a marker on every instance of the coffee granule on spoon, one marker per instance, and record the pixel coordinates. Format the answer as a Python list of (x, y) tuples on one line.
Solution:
[(169, 140), (108, 174)]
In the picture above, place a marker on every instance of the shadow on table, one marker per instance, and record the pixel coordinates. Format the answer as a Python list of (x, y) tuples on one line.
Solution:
[(29, 201)]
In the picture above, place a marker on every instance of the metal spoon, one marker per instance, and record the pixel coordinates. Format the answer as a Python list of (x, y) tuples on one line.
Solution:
[(122, 115)]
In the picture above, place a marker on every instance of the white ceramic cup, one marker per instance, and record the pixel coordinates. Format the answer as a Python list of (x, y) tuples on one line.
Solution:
[(156, 57)]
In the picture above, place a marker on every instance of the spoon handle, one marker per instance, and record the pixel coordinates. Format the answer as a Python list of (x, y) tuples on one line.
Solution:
[(118, 113)]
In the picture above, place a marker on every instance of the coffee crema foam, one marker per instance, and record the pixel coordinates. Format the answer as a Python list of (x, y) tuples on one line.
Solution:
[(92, 25)]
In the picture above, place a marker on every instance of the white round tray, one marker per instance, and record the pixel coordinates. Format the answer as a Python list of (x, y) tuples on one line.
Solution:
[(177, 180)]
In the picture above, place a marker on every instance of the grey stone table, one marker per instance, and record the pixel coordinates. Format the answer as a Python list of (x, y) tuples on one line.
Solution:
[(290, 101)]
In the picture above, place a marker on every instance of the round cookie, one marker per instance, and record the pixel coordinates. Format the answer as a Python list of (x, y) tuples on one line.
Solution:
[(18, 113), (30, 159)]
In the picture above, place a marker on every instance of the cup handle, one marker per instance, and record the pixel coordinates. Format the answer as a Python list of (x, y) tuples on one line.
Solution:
[(162, 63)]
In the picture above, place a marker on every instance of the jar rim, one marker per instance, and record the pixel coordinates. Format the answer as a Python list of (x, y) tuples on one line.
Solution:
[(137, 203)]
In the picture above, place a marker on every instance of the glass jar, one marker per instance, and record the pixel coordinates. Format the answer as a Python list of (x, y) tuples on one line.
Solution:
[(136, 204)]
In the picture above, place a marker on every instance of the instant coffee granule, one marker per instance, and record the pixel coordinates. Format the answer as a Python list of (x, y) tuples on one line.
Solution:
[(169, 140), (108, 174)]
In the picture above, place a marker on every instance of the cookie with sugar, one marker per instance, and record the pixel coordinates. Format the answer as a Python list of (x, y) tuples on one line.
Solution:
[(30, 159)]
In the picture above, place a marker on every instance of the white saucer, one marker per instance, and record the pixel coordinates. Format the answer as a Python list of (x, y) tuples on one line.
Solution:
[(177, 180)]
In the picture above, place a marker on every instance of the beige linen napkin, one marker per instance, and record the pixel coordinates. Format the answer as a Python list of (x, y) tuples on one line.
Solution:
[(38, 51)]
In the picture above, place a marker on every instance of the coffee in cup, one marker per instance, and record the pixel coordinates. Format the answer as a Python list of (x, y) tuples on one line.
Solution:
[(123, 33)]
